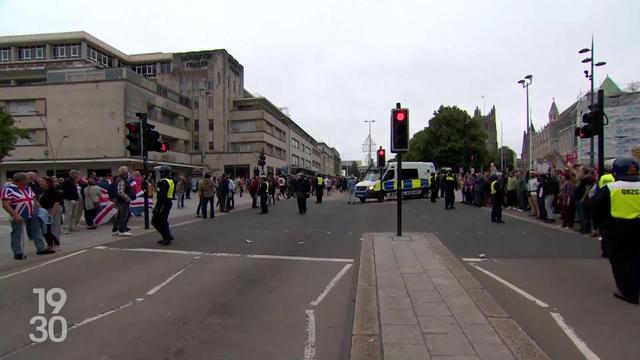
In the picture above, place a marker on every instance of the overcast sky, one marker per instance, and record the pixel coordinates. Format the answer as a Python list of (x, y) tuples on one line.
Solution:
[(335, 64)]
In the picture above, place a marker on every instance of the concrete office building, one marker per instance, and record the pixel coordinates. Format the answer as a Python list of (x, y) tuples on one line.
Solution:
[(75, 93)]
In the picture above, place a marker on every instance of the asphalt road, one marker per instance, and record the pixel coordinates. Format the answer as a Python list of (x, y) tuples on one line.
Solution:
[(210, 298)]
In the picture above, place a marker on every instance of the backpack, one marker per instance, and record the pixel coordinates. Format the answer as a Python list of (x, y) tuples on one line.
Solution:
[(113, 190)]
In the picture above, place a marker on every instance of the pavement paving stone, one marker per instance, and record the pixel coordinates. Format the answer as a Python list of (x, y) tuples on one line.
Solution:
[(404, 255), (439, 325), (448, 344), (469, 316), (481, 334), (398, 317), (411, 269), (459, 302), (391, 291), (486, 303), (395, 303), (418, 282), (455, 358), (425, 296), (451, 290), (431, 309), (493, 352), (406, 352), (402, 334)]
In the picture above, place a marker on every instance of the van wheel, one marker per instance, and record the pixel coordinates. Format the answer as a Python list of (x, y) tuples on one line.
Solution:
[(381, 197), (423, 194)]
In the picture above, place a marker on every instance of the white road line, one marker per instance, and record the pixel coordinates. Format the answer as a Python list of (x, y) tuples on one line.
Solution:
[(513, 287), (309, 335), (164, 251), (568, 330), (302, 258), (41, 265), (473, 259), (332, 283), (159, 286), (99, 316)]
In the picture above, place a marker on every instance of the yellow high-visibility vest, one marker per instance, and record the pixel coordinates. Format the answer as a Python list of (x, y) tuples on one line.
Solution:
[(605, 179), (625, 199), (450, 178), (493, 187), (172, 187), (320, 180)]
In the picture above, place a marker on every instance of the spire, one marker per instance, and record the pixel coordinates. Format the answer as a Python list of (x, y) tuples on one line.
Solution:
[(553, 111)]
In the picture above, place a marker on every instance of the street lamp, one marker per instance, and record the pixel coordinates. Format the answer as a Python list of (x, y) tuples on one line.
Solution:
[(55, 154), (525, 84), (589, 76), (370, 158)]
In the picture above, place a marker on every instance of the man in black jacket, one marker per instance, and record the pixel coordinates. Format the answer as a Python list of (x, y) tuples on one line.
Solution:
[(162, 208), (497, 196), (264, 195), (72, 205), (302, 190), (223, 192)]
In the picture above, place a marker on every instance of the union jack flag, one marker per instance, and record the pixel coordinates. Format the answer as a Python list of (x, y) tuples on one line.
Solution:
[(20, 200)]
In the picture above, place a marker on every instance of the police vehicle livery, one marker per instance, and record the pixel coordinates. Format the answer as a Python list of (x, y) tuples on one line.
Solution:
[(415, 182)]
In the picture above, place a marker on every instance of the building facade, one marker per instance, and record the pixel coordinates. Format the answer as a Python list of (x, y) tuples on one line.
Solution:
[(75, 93)]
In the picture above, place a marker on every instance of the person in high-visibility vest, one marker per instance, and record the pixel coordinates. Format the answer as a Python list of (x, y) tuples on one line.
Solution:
[(166, 192), (451, 184), (604, 244), (319, 188), (497, 196), (620, 204)]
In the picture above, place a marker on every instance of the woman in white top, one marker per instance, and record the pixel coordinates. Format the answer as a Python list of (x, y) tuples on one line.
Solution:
[(532, 186)]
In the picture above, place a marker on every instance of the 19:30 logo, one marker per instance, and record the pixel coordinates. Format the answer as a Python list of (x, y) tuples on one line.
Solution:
[(46, 327)]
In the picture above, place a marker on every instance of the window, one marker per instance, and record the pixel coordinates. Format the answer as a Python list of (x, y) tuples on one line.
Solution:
[(210, 101), (211, 145), (66, 51), (196, 145), (211, 124), (75, 51), (294, 143), (30, 140), (243, 147), (165, 68), (243, 126), (307, 150), (408, 174), (5, 55), (24, 53), (98, 57), (21, 107), (148, 70), (295, 160), (93, 54), (196, 125), (209, 85), (40, 53)]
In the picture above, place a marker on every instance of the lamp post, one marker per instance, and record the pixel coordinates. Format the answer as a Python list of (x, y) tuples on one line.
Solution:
[(525, 84), (55, 154), (589, 76), (370, 158)]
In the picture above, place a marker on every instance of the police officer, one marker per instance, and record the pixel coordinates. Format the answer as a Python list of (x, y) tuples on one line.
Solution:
[(160, 219), (264, 195), (497, 195), (301, 188), (319, 188), (605, 179), (451, 184), (620, 202)]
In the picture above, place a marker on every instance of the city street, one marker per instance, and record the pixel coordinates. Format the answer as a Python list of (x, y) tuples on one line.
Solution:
[(282, 286)]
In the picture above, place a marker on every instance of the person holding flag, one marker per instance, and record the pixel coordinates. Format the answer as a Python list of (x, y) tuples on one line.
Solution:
[(19, 201), (160, 219)]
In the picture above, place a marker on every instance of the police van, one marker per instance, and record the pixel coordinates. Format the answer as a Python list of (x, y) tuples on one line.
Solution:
[(415, 182)]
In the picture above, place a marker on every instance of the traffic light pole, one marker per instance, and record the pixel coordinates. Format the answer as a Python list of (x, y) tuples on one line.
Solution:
[(399, 190), (600, 125), (145, 163)]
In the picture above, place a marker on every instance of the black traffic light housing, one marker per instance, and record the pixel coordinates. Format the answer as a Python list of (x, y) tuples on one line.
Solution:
[(134, 137), (592, 122), (150, 137), (262, 160), (382, 157), (399, 130)]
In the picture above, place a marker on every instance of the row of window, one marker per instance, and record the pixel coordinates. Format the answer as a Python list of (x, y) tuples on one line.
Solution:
[(297, 161), (301, 147), (99, 57), (65, 51)]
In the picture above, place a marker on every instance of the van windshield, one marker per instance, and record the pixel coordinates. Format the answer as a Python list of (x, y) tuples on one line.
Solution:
[(372, 177)]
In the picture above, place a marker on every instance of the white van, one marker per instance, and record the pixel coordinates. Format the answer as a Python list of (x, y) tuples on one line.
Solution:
[(415, 181)]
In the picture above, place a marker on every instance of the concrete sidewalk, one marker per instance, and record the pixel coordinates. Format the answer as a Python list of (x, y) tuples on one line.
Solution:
[(83, 239), (416, 301)]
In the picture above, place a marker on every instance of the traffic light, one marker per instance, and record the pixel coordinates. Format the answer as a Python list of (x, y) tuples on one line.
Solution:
[(592, 123), (134, 136), (399, 130), (164, 147), (381, 157), (262, 160), (152, 139)]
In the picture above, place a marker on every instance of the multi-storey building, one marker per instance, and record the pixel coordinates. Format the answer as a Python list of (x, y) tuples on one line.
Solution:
[(75, 93)]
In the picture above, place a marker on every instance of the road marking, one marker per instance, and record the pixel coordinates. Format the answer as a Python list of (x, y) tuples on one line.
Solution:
[(99, 316), (302, 258), (200, 253), (41, 265), (473, 259), (159, 286), (568, 330), (165, 251), (309, 335), (513, 287), (331, 284)]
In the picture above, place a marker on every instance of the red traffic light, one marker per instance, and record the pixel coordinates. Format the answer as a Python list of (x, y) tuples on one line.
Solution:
[(132, 127), (164, 147), (380, 152), (401, 116)]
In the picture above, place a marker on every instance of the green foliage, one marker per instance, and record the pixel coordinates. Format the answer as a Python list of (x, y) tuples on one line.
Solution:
[(9, 134), (450, 140), (354, 170)]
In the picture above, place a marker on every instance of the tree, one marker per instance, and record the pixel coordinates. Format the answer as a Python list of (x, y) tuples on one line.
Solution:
[(452, 139), (509, 158), (9, 134), (354, 169)]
